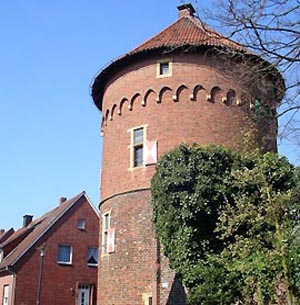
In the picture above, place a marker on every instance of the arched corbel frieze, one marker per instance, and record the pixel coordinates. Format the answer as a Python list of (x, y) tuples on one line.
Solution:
[(113, 111), (149, 96), (134, 100), (164, 93), (180, 93), (124, 101), (198, 93), (215, 95)]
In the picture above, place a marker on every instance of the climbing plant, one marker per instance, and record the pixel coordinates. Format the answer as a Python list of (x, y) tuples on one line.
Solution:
[(229, 224)]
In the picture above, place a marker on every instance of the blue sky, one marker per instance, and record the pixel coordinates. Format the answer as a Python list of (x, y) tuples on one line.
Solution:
[(49, 128)]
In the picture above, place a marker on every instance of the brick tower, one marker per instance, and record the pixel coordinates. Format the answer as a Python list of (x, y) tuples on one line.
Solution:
[(183, 85)]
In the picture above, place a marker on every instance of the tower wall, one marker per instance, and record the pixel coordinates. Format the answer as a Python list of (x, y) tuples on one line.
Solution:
[(175, 109), (191, 106)]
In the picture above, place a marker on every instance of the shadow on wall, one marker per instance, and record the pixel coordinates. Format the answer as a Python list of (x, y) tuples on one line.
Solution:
[(177, 294)]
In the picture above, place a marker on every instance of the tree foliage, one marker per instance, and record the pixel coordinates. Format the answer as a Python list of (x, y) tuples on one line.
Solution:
[(270, 29), (229, 224)]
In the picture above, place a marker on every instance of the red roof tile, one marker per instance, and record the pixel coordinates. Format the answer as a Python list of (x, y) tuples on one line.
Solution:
[(187, 30)]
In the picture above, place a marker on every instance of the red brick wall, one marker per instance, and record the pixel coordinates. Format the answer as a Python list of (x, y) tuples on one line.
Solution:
[(134, 97), (130, 271), (57, 280), (169, 122)]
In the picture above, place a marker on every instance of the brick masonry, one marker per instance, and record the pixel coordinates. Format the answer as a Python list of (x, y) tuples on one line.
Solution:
[(175, 112)]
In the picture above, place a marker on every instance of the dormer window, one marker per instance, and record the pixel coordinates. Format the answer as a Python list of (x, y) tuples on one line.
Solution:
[(164, 68)]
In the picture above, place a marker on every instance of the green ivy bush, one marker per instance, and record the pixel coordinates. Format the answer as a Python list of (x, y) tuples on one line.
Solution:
[(229, 224)]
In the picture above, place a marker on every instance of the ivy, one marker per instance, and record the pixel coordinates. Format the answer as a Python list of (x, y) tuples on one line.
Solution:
[(229, 224)]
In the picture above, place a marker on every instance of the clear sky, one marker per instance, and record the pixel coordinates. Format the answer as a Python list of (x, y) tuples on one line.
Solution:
[(50, 52)]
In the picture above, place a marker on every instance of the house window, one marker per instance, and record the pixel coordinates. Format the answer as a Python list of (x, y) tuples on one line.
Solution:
[(64, 254), (164, 68), (138, 137), (105, 231), (5, 294), (81, 224), (92, 256)]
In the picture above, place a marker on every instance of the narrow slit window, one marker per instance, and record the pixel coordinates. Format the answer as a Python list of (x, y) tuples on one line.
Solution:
[(105, 232), (138, 146)]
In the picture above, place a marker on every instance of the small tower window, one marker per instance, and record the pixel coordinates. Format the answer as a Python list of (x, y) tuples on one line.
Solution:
[(105, 231), (164, 68), (138, 137)]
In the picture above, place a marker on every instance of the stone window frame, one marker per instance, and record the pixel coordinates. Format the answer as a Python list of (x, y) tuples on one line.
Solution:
[(160, 69), (105, 232), (133, 146)]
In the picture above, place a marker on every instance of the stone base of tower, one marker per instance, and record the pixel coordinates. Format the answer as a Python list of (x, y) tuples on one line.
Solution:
[(136, 272)]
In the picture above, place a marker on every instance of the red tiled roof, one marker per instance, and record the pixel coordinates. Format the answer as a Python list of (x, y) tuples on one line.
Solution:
[(36, 229), (6, 234), (187, 30)]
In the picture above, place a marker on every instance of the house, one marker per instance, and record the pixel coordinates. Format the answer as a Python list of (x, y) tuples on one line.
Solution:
[(186, 84), (52, 259)]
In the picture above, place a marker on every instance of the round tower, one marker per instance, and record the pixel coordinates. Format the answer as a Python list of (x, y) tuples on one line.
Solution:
[(187, 84)]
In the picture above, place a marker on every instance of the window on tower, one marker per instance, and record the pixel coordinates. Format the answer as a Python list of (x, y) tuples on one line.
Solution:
[(164, 68), (105, 232), (138, 137)]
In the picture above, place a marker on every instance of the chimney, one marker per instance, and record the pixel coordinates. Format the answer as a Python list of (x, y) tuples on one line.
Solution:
[(186, 10), (61, 200), (2, 231), (27, 219)]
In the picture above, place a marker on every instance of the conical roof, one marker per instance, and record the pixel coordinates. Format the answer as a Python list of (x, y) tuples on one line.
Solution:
[(186, 32)]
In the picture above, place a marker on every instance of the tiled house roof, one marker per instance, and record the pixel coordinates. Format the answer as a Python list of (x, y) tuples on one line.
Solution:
[(23, 239), (4, 235)]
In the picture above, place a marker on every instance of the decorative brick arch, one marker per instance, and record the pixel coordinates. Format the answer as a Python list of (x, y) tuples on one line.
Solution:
[(180, 92), (123, 103), (147, 97), (163, 92)]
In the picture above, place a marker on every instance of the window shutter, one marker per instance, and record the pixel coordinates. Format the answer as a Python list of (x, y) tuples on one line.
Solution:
[(111, 240), (150, 152)]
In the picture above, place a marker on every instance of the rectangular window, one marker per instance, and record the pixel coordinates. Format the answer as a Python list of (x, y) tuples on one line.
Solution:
[(138, 143), (105, 231), (81, 224), (92, 256), (64, 254), (5, 294), (164, 68), (138, 138)]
